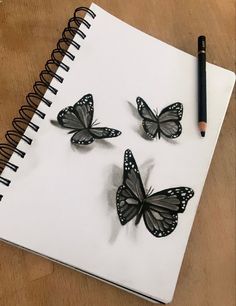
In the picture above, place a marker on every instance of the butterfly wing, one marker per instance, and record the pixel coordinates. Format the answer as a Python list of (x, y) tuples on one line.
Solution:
[(162, 208), (150, 122), (131, 193), (82, 137), (104, 132), (68, 118), (144, 110), (169, 120), (84, 110), (79, 116), (150, 127)]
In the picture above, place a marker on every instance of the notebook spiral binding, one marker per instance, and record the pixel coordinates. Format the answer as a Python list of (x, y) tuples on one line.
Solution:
[(24, 120)]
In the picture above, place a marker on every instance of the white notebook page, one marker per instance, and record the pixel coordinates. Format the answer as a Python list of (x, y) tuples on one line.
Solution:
[(62, 200)]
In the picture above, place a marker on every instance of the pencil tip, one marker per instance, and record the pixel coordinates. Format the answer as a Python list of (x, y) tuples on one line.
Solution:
[(203, 133)]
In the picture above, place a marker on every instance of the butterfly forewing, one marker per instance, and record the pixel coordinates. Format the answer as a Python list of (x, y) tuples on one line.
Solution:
[(82, 137), (171, 112), (84, 110), (69, 119), (132, 178), (162, 208), (144, 110), (131, 194), (104, 132), (157, 225)]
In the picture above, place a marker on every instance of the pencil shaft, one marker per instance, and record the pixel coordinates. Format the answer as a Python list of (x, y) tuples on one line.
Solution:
[(202, 97)]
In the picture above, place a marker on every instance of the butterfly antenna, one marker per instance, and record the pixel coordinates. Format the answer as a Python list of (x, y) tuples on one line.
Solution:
[(150, 191), (95, 122)]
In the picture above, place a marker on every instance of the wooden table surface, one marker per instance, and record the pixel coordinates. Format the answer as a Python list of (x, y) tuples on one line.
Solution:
[(29, 31)]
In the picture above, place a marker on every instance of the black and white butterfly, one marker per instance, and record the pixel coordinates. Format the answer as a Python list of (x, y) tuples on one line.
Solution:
[(159, 210), (79, 118), (166, 124)]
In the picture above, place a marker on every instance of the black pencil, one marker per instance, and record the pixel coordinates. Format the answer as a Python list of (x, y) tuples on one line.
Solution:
[(202, 96)]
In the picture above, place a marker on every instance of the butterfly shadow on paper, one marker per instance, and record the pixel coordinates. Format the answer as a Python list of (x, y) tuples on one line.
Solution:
[(115, 174)]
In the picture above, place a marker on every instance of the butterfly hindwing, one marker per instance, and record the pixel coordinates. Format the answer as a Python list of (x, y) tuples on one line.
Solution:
[(162, 208), (150, 127), (171, 129), (104, 132), (127, 204), (82, 137), (157, 225)]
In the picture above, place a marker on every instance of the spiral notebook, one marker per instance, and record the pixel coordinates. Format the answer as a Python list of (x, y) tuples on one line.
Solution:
[(78, 197)]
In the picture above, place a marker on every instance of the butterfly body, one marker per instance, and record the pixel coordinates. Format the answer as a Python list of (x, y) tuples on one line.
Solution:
[(159, 210), (167, 123), (79, 118)]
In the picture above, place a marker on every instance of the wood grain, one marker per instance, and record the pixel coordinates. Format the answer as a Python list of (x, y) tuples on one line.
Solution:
[(29, 31)]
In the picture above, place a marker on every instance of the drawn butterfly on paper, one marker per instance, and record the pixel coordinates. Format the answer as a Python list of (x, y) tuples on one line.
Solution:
[(79, 118), (167, 123), (159, 210)]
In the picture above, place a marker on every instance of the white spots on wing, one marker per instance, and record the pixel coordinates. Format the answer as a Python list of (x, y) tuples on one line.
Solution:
[(140, 103), (111, 132), (120, 204), (170, 192), (178, 107), (129, 162)]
